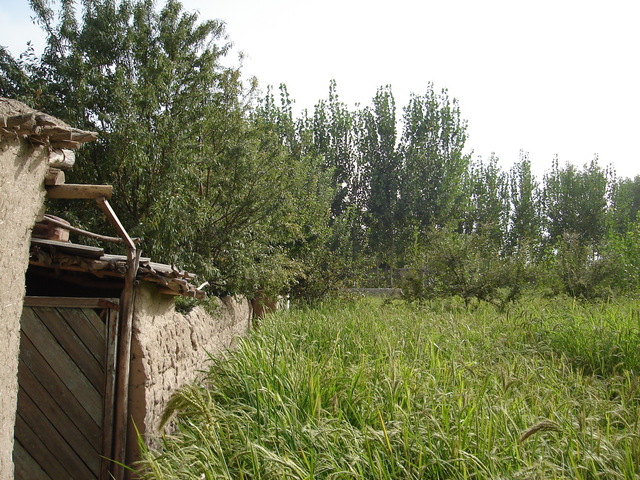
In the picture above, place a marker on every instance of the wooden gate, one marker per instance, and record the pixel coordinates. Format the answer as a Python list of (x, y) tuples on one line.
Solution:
[(66, 376)]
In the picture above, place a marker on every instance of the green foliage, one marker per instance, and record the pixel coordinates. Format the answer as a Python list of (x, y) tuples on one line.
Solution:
[(574, 269), (334, 140), (381, 170), (488, 209), (470, 266), (235, 188), (525, 226), (575, 202), (432, 145), (203, 177), (623, 250), (625, 205)]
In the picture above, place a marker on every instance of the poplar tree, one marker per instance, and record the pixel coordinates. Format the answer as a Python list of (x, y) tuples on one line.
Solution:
[(525, 227), (432, 144), (381, 166)]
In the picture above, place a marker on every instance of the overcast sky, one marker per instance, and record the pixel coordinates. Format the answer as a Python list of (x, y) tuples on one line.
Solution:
[(547, 76)]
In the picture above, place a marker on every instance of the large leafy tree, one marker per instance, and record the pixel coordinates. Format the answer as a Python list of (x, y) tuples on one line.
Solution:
[(625, 205), (487, 210), (525, 227), (333, 129), (194, 174)]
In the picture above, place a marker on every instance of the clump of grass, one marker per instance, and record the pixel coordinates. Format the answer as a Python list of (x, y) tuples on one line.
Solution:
[(597, 338), (367, 390)]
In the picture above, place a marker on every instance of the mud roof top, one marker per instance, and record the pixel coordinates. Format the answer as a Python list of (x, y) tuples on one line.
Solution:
[(19, 120)]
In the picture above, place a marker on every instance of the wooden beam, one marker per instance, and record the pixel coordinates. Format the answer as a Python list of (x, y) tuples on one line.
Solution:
[(115, 221), (70, 248), (79, 231), (121, 407), (55, 176), (71, 302), (60, 158), (71, 190)]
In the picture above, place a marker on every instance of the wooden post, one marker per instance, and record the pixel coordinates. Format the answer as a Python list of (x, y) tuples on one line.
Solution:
[(121, 414)]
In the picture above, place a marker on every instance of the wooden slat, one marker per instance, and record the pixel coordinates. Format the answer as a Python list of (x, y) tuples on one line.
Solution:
[(111, 320), (26, 468), (42, 425), (57, 389), (90, 432), (60, 362), (96, 322), (115, 221), (70, 248), (54, 221), (75, 191), (71, 302), (39, 450), (83, 322), (31, 388), (92, 367)]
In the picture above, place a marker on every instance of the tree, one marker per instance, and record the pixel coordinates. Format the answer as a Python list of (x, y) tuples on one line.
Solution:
[(488, 208), (432, 145), (334, 140), (524, 217), (575, 202), (201, 181), (380, 163), (625, 205)]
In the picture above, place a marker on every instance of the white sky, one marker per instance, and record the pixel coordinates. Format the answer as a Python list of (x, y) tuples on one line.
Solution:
[(547, 76)]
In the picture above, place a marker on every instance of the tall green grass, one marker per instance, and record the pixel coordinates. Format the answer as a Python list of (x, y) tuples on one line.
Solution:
[(372, 390)]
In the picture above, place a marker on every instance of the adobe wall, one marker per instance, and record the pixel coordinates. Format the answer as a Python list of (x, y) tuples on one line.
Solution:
[(22, 172), (170, 350)]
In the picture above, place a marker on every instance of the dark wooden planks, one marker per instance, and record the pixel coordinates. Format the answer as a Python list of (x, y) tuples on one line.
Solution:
[(67, 388), (60, 362), (110, 318), (81, 440), (55, 441), (39, 451), (57, 389), (90, 329), (74, 345), (26, 468)]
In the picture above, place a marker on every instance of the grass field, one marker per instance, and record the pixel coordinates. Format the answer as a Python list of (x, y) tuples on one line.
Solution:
[(548, 389)]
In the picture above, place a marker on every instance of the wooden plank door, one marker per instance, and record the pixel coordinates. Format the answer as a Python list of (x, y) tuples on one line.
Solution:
[(66, 388)]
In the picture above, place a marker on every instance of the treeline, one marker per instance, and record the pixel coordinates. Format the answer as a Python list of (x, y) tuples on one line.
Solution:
[(412, 209), (230, 183)]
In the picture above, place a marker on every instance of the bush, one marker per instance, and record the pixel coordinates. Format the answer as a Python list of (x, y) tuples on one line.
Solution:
[(467, 265), (578, 270)]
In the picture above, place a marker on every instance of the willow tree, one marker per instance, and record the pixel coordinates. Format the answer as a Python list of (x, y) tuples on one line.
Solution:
[(193, 175)]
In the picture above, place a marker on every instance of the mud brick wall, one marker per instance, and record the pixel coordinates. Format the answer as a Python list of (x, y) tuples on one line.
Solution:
[(170, 350), (22, 172)]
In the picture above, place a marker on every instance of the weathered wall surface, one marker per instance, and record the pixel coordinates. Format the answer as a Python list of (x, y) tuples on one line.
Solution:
[(22, 172), (169, 350)]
